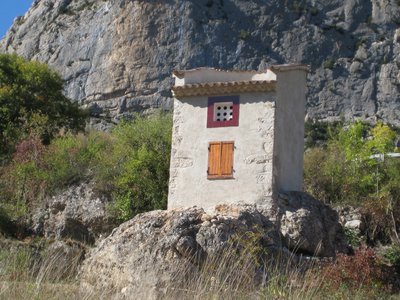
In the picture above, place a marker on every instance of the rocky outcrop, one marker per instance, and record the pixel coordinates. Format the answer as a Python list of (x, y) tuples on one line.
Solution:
[(309, 226), (155, 250), (76, 213), (352, 219), (117, 56)]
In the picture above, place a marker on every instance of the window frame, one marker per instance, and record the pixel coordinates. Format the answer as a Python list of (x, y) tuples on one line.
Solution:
[(212, 101), (231, 158)]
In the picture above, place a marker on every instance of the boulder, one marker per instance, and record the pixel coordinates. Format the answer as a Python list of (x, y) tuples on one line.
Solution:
[(147, 255), (154, 250), (309, 226), (77, 213)]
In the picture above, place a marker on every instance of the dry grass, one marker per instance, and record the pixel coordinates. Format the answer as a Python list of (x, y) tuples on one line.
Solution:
[(30, 272), (234, 274)]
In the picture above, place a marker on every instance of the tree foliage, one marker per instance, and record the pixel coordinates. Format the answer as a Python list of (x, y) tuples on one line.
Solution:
[(354, 168), (345, 170), (139, 159), (32, 102)]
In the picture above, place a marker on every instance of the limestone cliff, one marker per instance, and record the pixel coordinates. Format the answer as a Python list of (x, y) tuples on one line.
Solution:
[(117, 55)]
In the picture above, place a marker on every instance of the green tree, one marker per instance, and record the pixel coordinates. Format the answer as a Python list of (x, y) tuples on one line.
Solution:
[(136, 166), (382, 139), (345, 170), (32, 102), (351, 141)]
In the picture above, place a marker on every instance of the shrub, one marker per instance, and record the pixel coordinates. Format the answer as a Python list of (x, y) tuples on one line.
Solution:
[(343, 170), (139, 160), (329, 63), (314, 11), (392, 255), (6, 225), (37, 171), (67, 161), (298, 6), (131, 164), (356, 271), (318, 133), (244, 34), (352, 237), (317, 183), (339, 29)]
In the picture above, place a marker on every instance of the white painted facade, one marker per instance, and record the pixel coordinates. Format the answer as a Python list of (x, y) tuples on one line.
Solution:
[(269, 139)]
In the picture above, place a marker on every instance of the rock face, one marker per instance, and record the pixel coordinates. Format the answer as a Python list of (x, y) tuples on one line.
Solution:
[(117, 56), (155, 249), (76, 213)]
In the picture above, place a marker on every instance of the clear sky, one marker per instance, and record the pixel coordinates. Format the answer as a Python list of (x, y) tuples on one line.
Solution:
[(9, 9)]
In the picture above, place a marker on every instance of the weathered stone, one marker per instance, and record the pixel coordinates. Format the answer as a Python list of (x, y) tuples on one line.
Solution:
[(352, 218), (361, 54), (355, 67), (353, 224), (156, 250), (117, 56), (310, 226), (76, 213)]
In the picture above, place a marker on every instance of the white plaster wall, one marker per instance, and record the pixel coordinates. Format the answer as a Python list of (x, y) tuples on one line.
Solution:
[(289, 130), (211, 75), (254, 138)]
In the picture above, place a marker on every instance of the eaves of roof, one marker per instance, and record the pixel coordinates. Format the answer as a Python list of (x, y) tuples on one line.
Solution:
[(274, 68), (220, 88)]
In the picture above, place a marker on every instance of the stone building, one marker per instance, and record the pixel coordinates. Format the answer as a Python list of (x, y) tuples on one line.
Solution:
[(238, 136)]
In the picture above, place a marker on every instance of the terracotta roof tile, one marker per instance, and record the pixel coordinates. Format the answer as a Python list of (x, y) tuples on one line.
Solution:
[(217, 88)]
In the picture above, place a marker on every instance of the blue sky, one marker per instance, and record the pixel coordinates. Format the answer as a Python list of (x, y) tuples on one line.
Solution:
[(9, 9)]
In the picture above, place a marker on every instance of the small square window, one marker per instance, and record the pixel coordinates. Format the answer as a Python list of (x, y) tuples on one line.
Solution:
[(223, 111)]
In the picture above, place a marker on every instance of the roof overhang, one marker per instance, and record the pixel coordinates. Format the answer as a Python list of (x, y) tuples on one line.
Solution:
[(219, 88)]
